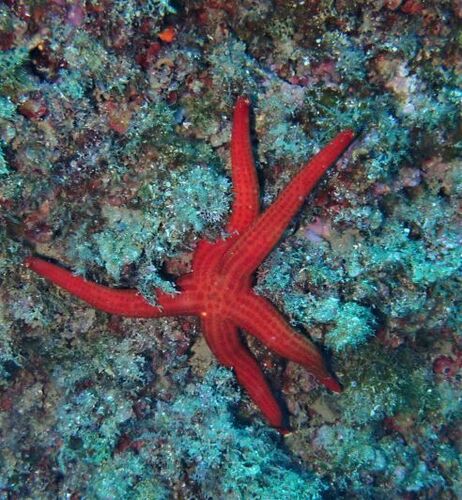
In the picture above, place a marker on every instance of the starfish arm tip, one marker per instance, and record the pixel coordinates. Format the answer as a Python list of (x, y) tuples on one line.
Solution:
[(350, 133), (332, 384), (353, 133), (344, 138), (28, 262), (243, 100)]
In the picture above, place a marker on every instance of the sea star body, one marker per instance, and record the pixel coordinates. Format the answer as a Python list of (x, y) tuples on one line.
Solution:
[(219, 288)]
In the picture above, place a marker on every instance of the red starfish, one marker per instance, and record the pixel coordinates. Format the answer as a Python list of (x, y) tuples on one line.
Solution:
[(219, 288)]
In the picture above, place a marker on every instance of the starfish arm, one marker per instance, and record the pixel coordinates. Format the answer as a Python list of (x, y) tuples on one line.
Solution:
[(223, 340), (258, 240), (244, 176), (261, 319), (122, 302), (208, 255)]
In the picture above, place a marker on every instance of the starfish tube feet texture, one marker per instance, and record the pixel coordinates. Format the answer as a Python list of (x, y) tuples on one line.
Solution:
[(219, 288)]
